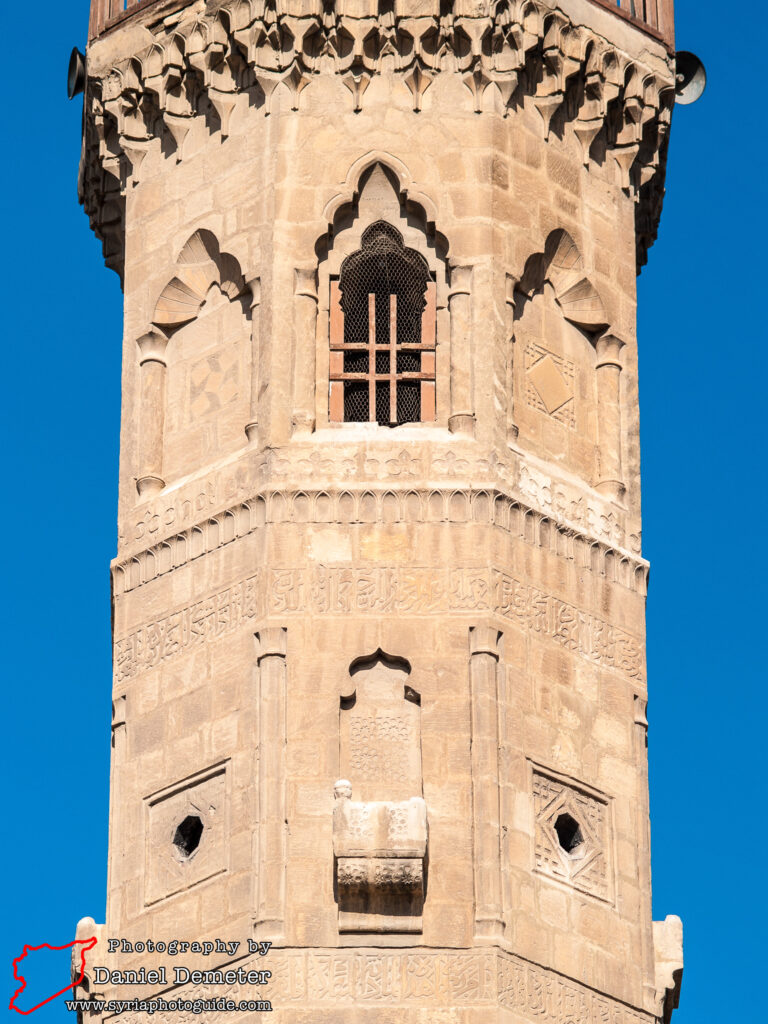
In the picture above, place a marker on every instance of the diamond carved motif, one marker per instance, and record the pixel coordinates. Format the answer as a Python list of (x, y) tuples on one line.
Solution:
[(213, 383), (550, 384), (572, 835)]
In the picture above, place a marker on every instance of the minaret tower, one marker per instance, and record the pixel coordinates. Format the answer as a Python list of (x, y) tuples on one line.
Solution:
[(379, 597)]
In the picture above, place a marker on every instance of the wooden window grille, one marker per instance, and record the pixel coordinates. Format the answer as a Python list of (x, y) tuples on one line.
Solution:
[(382, 331)]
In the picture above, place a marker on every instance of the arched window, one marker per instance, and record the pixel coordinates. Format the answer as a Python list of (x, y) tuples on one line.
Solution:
[(382, 333)]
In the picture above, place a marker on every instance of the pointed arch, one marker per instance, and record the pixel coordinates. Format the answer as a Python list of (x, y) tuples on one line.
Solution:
[(380, 210)]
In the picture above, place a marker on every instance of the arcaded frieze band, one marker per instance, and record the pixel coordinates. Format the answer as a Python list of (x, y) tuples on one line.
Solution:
[(381, 506), (193, 66)]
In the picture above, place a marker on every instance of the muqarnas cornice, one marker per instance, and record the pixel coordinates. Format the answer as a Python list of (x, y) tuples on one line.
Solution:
[(195, 65)]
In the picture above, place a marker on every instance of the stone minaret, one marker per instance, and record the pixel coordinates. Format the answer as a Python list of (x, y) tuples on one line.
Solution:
[(379, 657)]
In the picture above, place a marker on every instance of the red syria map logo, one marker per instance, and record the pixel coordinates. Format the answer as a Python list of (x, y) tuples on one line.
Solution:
[(85, 943)]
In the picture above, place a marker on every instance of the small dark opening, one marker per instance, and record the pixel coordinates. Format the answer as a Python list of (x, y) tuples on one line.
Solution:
[(568, 833), (188, 835), (355, 402)]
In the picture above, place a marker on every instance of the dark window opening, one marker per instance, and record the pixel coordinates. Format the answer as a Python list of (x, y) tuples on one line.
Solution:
[(383, 333), (569, 833), (187, 837)]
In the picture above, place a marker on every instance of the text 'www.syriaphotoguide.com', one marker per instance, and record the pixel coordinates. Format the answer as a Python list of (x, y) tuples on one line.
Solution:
[(166, 1005)]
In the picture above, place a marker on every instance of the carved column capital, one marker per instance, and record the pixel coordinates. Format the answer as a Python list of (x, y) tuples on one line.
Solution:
[(272, 642), (305, 282), (608, 349), (253, 286), (484, 640), (461, 281), (152, 346)]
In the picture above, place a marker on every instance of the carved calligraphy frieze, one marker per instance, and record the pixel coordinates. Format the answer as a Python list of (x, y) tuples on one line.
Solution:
[(393, 590), (427, 978)]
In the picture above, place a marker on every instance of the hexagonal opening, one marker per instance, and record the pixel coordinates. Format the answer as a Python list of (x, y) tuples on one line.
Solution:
[(187, 836), (569, 834)]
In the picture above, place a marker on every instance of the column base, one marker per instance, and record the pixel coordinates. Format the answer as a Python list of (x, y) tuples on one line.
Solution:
[(462, 423), (613, 489), (489, 929), (148, 486), (303, 425)]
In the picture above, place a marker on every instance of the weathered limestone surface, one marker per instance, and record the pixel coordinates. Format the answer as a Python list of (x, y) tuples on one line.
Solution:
[(442, 620)]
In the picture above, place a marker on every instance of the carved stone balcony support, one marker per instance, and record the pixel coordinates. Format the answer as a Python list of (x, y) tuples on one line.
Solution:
[(379, 849)]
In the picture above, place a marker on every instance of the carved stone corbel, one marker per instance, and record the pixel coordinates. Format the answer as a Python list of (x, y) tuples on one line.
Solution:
[(668, 947), (84, 956), (379, 849), (380, 840)]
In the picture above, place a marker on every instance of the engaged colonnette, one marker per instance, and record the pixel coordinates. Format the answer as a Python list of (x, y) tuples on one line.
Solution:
[(379, 666)]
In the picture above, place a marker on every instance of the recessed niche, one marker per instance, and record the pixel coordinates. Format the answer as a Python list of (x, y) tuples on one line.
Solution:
[(187, 837)]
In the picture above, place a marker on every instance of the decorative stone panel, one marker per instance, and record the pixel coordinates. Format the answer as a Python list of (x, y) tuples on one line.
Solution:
[(186, 834), (550, 383), (572, 838), (380, 743)]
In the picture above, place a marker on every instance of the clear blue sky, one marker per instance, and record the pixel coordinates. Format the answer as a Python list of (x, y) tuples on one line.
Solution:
[(703, 399)]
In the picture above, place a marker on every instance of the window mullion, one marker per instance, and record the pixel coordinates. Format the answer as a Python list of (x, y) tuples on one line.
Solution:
[(393, 358), (372, 357)]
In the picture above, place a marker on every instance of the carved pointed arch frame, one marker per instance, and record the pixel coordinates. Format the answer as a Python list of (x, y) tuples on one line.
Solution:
[(346, 222)]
